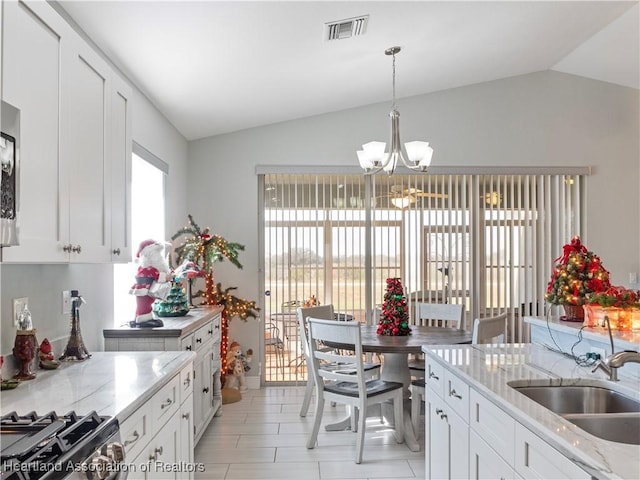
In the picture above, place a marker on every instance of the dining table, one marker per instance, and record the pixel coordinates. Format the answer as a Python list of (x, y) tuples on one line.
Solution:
[(395, 351)]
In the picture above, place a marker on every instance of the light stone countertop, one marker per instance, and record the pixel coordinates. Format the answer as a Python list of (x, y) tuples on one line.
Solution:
[(488, 368), (111, 383)]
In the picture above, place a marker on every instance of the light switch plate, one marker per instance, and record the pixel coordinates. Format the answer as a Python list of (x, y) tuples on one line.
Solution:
[(66, 302), (18, 304)]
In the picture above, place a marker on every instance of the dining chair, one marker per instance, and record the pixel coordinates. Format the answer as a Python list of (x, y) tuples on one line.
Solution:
[(439, 315), (272, 339), (490, 329), (325, 312), (336, 385)]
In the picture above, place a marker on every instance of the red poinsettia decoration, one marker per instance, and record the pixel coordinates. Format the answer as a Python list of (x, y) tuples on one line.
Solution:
[(394, 319)]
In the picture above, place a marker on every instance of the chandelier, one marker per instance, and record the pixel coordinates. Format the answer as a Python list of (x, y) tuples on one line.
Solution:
[(414, 155)]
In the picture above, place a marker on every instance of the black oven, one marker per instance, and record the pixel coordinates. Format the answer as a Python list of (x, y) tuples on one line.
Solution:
[(57, 447)]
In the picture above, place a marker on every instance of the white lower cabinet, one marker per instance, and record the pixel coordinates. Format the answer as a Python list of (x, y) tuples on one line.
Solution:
[(469, 436), (447, 445), (484, 461), (158, 437), (535, 458)]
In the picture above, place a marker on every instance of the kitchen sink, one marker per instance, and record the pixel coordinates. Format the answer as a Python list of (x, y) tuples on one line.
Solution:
[(595, 406), (568, 399), (624, 428)]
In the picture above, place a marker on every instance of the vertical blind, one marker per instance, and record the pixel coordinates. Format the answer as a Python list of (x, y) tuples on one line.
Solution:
[(484, 240)]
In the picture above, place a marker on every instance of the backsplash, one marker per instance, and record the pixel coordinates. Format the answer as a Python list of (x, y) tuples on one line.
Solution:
[(43, 285)]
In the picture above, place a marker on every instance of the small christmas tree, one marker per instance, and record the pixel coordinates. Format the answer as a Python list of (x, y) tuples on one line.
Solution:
[(176, 303), (395, 314), (577, 273)]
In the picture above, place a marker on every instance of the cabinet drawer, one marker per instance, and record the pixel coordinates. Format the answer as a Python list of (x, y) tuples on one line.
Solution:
[(166, 402), (535, 458), (186, 343), (492, 424), (203, 335), (186, 382), (216, 327), (135, 432), (456, 394), (434, 375)]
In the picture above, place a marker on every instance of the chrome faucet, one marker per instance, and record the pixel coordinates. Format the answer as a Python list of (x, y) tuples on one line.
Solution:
[(613, 362)]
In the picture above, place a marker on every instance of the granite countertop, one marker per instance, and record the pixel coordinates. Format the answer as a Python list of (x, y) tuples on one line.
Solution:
[(488, 368), (111, 383), (173, 326)]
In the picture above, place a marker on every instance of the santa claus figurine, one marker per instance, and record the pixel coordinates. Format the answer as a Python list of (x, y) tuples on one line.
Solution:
[(152, 282)]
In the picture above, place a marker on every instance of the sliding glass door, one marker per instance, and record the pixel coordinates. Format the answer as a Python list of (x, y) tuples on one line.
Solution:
[(486, 241)]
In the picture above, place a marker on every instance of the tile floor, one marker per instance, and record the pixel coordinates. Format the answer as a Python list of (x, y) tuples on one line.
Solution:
[(263, 437)]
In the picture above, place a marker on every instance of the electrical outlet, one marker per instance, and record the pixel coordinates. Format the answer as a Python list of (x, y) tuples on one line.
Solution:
[(66, 302), (599, 351), (18, 305)]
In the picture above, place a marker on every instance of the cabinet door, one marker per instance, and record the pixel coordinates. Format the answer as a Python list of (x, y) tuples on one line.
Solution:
[(85, 139), (448, 442), (34, 37), (202, 391), (120, 171), (536, 459), (160, 459), (484, 462), (187, 434)]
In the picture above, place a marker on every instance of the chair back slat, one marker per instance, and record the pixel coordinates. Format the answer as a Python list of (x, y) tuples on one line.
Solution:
[(439, 314), (488, 329), (320, 331), (322, 311)]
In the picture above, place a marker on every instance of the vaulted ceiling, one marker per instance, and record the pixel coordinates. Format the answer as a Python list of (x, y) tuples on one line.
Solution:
[(213, 67)]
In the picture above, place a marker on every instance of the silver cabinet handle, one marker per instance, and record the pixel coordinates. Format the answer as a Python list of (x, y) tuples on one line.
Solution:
[(453, 393), (187, 381), (76, 249), (136, 436), (438, 411), (116, 251), (156, 453), (443, 416), (185, 416), (433, 375), (166, 403), (67, 248)]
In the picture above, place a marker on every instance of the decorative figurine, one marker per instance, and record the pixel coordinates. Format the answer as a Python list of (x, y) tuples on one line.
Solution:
[(24, 350), (152, 282), (75, 349), (45, 355)]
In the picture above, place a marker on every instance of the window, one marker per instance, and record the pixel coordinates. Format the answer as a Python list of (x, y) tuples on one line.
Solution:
[(147, 221), (486, 241)]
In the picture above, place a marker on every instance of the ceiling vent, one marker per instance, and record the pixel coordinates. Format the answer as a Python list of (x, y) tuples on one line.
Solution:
[(350, 27)]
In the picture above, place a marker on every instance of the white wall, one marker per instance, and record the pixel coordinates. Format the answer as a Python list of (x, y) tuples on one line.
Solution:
[(545, 118)]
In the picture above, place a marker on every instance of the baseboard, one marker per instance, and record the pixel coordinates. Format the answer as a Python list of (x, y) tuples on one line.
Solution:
[(253, 382)]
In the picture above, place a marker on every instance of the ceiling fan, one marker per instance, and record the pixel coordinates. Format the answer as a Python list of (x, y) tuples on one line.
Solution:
[(401, 197)]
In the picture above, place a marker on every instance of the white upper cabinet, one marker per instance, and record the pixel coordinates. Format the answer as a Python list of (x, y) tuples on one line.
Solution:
[(33, 39), (76, 141), (121, 145), (86, 132)]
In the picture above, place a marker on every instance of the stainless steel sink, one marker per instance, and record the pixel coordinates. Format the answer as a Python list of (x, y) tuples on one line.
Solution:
[(568, 399), (624, 428), (589, 404)]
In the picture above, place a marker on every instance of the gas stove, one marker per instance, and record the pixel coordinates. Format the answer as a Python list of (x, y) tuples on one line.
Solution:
[(56, 447)]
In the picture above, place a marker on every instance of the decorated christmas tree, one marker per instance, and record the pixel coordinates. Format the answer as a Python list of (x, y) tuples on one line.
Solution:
[(577, 273), (205, 249), (176, 303), (394, 319)]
